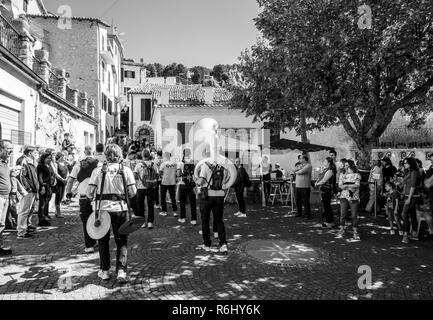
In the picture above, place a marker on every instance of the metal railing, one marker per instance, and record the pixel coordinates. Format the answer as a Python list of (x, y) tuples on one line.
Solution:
[(9, 36), (404, 138)]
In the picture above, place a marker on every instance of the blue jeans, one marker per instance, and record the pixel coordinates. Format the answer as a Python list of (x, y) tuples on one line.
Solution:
[(354, 209)]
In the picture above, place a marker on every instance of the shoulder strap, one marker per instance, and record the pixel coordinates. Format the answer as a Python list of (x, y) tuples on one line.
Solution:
[(122, 173), (213, 172), (104, 174)]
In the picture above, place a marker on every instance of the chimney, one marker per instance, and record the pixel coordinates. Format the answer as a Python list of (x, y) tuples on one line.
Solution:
[(142, 61), (209, 94), (84, 101), (60, 86), (43, 70)]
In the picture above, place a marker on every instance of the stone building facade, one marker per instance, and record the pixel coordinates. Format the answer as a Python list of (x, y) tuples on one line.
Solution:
[(92, 53), (37, 105)]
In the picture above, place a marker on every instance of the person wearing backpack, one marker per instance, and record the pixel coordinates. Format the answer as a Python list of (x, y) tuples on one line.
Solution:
[(214, 180), (146, 175), (186, 189), (242, 182), (327, 184), (168, 172), (81, 173), (118, 184)]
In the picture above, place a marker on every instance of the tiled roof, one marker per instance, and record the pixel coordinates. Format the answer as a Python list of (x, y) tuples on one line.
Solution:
[(50, 15), (182, 93)]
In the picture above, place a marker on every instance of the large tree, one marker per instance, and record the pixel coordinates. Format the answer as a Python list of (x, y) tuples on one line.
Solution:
[(325, 60)]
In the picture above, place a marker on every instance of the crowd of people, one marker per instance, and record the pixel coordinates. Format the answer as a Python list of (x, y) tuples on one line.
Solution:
[(399, 192), (105, 179)]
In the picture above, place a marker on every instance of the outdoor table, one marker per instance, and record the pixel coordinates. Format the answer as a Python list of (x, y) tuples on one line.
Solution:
[(284, 188)]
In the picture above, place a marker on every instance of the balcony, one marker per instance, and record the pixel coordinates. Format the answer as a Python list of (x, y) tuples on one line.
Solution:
[(9, 36), (404, 138)]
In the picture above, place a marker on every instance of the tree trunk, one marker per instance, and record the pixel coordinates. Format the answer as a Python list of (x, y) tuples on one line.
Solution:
[(365, 150), (304, 137)]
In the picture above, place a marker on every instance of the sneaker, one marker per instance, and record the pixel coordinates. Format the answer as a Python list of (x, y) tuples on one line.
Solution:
[(242, 215), (392, 232), (158, 207), (104, 275), (238, 213), (194, 222), (89, 250), (181, 220), (5, 251), (405, 239), (44, 223), (144, 226), (164, 214), (328, 225), (340, 233), (60, 217), (356, 237), (206, 248), (175, 214), (122, 277), (414, 237), (224, 250), (215, 235), (150, 225), (400, 233), (26, 236)]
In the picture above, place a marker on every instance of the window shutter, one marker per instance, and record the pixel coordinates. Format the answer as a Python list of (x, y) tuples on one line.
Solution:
[(143, 109), (148, 109)]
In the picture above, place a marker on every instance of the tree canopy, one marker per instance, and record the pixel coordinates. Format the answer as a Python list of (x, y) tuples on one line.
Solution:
[(328, 61)]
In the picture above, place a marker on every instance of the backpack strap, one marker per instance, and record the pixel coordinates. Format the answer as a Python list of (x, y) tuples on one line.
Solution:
[(104, 174), (125, 187)]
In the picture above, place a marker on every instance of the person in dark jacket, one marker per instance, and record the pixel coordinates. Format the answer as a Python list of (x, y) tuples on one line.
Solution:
[(242, 181), (429, 174), (47, 179), (29, 180), (388, 170)]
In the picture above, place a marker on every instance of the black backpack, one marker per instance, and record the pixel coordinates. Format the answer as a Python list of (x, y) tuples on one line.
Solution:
[(217, 178), (188, 174), (86, 168)]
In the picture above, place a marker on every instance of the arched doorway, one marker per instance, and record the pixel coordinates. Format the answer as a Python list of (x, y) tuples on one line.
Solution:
[(145, 132)]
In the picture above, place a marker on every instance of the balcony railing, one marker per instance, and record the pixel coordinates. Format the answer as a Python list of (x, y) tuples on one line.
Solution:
[(9, 37), (404, 138)]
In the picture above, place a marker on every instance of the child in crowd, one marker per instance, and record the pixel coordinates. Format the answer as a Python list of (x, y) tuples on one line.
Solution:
[(392, 207)]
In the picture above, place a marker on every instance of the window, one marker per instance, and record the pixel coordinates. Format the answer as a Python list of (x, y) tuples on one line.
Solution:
[(26, 6), (130, 74), (103, 43), (184, 128), (104, 102), (92, 140), (103, 71), (146, 109), (110, 107), (86, 138), (109, 82), (122, 74)]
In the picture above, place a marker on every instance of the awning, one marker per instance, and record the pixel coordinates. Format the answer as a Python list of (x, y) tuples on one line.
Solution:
[(285, 144)]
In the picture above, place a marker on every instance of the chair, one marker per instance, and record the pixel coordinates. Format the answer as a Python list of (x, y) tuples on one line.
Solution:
[(275, 192)]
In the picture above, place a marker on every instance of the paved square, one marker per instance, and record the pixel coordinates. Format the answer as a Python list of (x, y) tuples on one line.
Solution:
[(272, 256)]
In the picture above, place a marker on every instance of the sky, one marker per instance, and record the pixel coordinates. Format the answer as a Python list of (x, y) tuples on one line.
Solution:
[(191, 32)]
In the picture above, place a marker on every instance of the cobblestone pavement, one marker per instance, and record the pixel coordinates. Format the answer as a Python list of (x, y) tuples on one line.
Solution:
[(166, 263)]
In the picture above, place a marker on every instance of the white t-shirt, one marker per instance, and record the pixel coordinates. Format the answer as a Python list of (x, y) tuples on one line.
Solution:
[(169, 172), (139, 169), (113, 185)]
